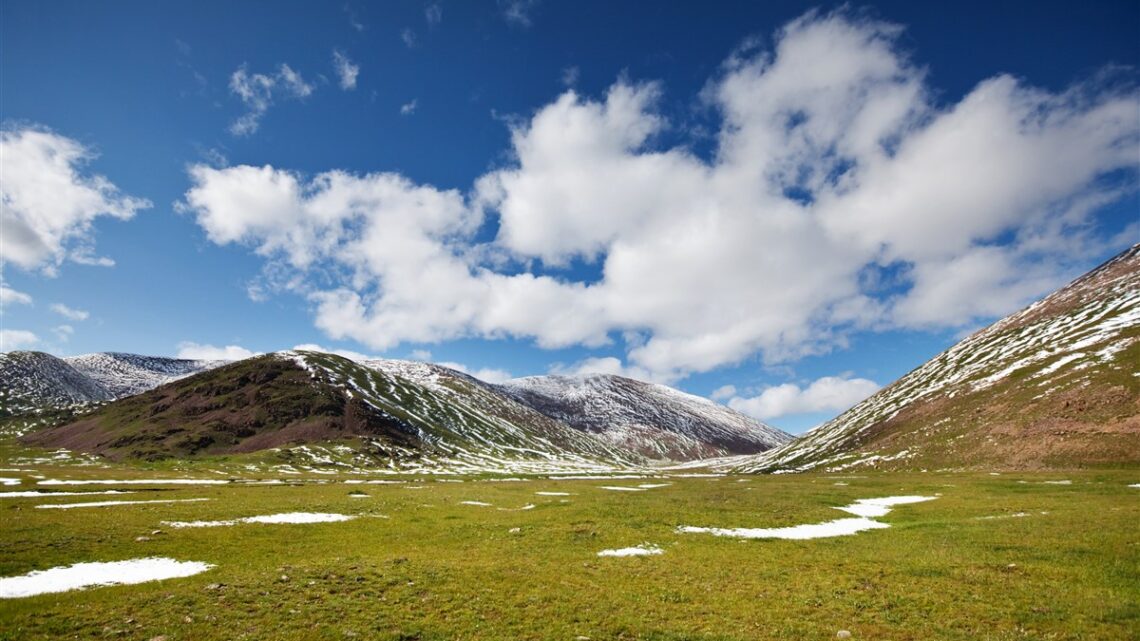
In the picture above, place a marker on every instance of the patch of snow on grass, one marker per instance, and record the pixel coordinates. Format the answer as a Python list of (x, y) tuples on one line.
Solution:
[(622, 488), (553, 493), (479, 503), (1065, 482), (871, 508), (5, 480), (68, 506), (272, 519), (83, 575), (644, 549), (31, 493), (135, 482), (863, 508)]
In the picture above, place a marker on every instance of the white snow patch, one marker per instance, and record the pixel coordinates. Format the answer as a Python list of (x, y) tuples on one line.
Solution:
[(68, 506), (31, 493), (872, 508), (135, 482), (479, 503), (5, 480), (1135, 485), (864, 508), (82, 575), (286, 517), (622, 488), (652, 486), (1065, 482), (644, 549), (553, 493)]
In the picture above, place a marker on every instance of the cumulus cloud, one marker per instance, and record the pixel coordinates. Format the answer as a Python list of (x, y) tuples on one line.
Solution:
[(195, 351), (346, 70), (68, 312), (834, 171), (11, 339), (257, 91), (9, 296), (409, 108), (51, 203), (827, 394)]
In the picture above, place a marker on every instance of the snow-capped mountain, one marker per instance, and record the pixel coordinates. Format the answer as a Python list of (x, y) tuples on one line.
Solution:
[(657, 421), (1054, 385), (128, 374), (400, 415), (35, 380), (31, 381)]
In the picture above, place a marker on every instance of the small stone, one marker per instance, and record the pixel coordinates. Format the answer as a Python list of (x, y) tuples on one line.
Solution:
[(187, 619), (142, 539), (157, 532), (843, 634), (581, 638), (161, 637), (214, 586), (516, 530), (284, 577)]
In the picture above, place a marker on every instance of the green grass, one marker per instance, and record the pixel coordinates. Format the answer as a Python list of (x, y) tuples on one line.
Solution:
[(436, 569)]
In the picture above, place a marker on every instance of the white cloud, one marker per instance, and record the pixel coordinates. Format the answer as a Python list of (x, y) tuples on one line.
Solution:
[(420, 355), (833, 173), (486, 374), (608, 365), (409, 38), (194, 351), (433, 13), (63, 333), (570, 76), (346, 70), (518, 12), (68, 312), (9, 296), (827, 394), (50, 203), (723, 392), (409, 108), (257, 91), (12, 339)]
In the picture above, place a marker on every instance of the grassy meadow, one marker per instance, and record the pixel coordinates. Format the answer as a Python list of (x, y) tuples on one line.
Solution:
[(420, 564)]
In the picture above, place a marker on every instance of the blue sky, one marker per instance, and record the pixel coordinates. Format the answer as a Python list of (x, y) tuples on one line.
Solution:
[(780, 207)]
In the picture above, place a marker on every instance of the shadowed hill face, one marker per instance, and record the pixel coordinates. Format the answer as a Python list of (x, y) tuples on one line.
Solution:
[(1052, 386), (657, 421)]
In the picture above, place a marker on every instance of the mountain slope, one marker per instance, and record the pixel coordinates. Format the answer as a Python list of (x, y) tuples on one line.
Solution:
[(32, 381), (127, 374), (656, 421), (1054, 385), (298, 398)]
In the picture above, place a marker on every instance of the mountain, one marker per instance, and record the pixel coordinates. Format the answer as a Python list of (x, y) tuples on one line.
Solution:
[(409, 416), (1056, 385), (33, 381), (128, 374), (657, 421)]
